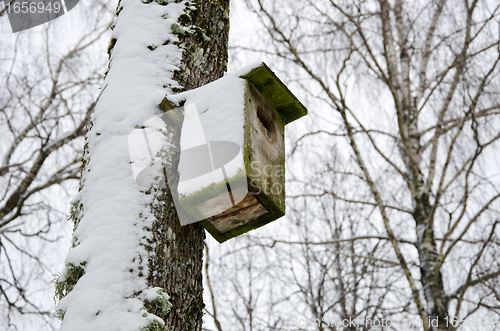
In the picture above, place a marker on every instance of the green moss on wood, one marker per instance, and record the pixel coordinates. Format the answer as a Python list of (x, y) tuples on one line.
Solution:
[(199, 34), (171, 112), (69, 279), (74, 214), (278, 95), (111, 45), (154, 326), (161, 306), (184, 19), (119, 8), (177, 29), (60, 314)]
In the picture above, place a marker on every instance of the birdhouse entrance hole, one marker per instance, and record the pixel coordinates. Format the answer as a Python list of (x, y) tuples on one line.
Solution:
[(265, 113)]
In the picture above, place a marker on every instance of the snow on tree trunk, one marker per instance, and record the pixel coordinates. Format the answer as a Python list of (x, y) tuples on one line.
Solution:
[(132, 266)]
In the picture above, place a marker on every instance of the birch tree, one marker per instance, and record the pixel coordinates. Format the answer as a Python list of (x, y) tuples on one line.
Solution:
[(132, 265), (408, 92)]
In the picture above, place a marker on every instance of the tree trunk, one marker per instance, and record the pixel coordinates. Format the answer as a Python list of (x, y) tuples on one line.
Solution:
[(437, 300), (119, 225), (176, 265)]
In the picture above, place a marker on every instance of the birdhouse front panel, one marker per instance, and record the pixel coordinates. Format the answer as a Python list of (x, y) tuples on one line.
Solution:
[(265, 151)]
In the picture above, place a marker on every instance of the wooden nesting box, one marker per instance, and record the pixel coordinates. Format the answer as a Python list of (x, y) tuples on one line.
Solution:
[(257, 191), (269, 106)]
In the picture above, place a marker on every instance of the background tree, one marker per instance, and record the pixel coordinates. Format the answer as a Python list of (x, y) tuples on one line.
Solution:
[(49, 81), (406, 99)]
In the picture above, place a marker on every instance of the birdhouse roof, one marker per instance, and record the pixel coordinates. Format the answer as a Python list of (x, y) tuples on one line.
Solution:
[(278, 95)]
